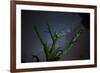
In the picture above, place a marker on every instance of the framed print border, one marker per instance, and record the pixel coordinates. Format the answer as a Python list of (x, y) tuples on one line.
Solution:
[(13, 35)]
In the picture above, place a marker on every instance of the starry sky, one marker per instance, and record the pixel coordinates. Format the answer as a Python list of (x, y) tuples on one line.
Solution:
[(66, 23)]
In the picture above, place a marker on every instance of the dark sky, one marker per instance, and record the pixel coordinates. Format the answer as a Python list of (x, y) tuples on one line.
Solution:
[(60, 22)]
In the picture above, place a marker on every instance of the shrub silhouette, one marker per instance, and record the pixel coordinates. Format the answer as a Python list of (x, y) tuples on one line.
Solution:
[(51, 52)]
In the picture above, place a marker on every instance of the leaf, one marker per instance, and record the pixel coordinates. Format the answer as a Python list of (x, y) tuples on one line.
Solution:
[(71, 43), (76, 36), (36, 58), (59, 52)]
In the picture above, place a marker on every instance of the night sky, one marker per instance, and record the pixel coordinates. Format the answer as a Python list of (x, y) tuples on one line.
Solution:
[(66, 23)]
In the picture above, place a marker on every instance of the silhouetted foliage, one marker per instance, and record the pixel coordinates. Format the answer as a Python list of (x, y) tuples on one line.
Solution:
[(51, 52)]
